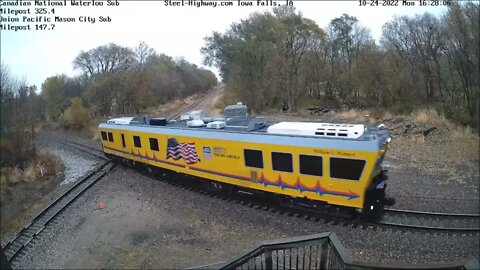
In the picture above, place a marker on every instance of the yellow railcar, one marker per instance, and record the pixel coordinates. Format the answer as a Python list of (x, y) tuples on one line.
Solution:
[(340, 164)]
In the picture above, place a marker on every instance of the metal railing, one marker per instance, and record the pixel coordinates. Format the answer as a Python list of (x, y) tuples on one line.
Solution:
[(318, 251)]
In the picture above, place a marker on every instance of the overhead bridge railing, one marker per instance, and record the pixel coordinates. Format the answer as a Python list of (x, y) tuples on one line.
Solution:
[(319, 251)]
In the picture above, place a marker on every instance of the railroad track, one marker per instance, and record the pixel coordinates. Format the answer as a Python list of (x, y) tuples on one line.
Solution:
[(395, 218), (462, 200), (189, 107), (431, 220), (407, 219), (17, 246), (87, 149)]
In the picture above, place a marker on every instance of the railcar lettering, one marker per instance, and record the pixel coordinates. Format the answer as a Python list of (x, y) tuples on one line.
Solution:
[(345, 154), (226, 156), (219, 150), (320, 151)]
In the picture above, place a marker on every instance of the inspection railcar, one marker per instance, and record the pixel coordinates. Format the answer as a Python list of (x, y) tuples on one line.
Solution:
[(340, 164)]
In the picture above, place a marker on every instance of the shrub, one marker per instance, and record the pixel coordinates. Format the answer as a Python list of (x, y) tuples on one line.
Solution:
[(76, 117), (48, 164)]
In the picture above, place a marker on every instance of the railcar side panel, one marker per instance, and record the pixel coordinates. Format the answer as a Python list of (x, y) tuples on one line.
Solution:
[(225, 161)]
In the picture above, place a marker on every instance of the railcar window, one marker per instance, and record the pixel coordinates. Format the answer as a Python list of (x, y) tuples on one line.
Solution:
[(136, 141), (253, 158), (104, 135), (282, 162), (123, 141), (110, 136), (154, 144), (311, 165), (344, 168)]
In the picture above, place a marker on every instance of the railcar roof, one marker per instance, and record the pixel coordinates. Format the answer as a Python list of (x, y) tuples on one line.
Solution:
[(258, 125), (255, 129)]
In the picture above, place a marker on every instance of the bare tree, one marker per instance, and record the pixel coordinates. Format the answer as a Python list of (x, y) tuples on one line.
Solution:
[(109, 58)]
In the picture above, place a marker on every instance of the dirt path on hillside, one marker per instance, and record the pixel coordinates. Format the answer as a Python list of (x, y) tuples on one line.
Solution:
[(208, 102)]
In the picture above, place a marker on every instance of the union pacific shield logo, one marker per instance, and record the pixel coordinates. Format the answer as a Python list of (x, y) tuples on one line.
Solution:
[(207, 153)]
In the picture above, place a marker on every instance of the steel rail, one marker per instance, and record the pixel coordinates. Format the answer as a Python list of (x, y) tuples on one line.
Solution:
[(431, 213), (36, 225), (189, 107), (80, 147), (427, 227), (431, 220), (438, 198)]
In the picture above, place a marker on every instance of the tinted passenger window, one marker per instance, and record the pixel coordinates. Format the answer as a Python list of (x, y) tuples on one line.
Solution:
[(345, 168), (253, 158), (110, 137), (123, 140), (104, 135), (136, 141), (311, 165), (282, 162), (154, 144)]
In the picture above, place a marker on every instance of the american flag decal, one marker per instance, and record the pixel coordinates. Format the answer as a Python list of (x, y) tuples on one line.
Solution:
[(178, 150)]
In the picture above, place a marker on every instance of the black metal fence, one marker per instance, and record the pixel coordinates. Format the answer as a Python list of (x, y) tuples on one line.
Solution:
[(319, 251)]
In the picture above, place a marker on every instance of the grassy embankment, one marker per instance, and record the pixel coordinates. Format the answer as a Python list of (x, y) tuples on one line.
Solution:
[(22, 190)]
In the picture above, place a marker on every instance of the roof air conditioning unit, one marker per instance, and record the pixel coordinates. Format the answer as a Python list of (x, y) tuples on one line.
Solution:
[(195, 123), (217, 125)]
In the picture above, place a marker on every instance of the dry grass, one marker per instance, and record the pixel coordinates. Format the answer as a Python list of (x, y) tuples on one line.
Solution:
[(455, 145), (463, 134), (363, 116), (424, 117), (24, 191), (385, 115), (45, 164), (430, 117)]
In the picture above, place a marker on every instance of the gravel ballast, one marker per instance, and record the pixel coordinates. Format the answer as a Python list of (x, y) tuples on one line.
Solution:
[(75, 165), (147, 223)]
